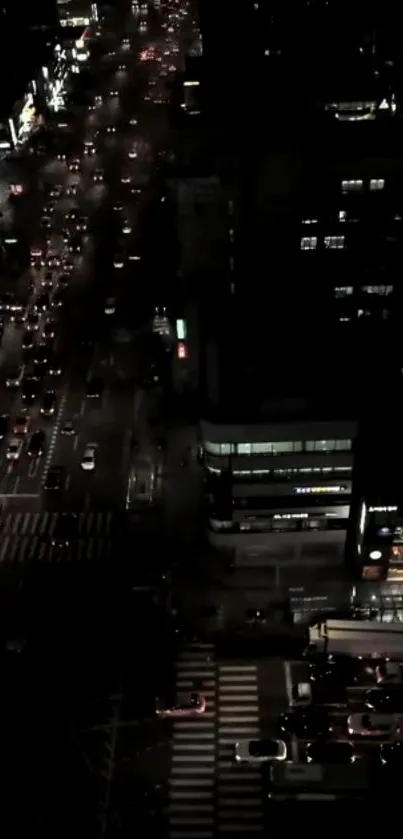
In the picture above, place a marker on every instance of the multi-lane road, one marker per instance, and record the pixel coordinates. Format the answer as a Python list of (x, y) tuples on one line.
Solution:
[(111, 187)]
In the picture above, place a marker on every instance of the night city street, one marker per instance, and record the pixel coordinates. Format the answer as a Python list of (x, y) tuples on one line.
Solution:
[(201, 608)]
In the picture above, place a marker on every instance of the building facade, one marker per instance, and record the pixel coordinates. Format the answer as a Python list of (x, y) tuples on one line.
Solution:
[(279, 489)]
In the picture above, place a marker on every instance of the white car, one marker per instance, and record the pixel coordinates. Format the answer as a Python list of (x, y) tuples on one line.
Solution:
[(88, 458), (373, 725), (110, 306), (126, 227), (118, 261), (98, 176), (14, 448), (260, 751)]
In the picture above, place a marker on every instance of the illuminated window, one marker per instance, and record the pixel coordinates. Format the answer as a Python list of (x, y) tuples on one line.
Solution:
[(343, 291), (309, 243), (335, 243), (327, 445), (376, 184), (352, 186), (381, 290)]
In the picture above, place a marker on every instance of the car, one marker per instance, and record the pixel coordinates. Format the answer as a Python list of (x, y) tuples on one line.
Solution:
[(111, 129), (94, 389), (33, 321), (118, 207), (118, 261), (30, 389), (56, 191), (387, 699), (21, 424), (42, 302), (68, 267), (98, 176), (76, 244), (330, 751), (6, 301), (53, 260), (122, 67), (48, 403), (88, 458), (260, 751), (89, 148), (332, 669), (63, 281), (54, 366), (132, 154), (372, 725), (389, 672), (55, 478), (71, 215), (36, 445), (68, 429), (50, 208), (19, 318), (133, 256), (306, 723), (133, 121), (82, 224), (308, 693), (58, 299), (4, 421), (27, 340), (110, 306), (41, 353), (46, 223), (74, 165), (14, 377), (61, 156), (391, 754), (65, 531), (47, 281), (187, 705), (126, 227), (71, 190), (14, 448)]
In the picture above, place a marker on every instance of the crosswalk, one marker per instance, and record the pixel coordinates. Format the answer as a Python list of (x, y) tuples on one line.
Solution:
[(27, 537), (192, 781), (33, 549), (210, 795), (239, 787), (90, 523)]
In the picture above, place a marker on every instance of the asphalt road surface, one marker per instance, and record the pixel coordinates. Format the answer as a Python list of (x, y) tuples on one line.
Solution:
[(111, 188)]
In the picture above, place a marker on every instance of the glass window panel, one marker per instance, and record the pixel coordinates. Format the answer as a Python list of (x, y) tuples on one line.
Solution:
[(283, 447), (244, 448)]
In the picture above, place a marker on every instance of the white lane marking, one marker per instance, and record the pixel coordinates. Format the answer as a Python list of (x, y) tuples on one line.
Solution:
[(33, 467), (288, 689), (16, 485), (55, 431), (75, 444)]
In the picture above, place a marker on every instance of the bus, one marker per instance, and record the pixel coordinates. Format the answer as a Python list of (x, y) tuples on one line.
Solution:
[(357, 638), (318, 782)]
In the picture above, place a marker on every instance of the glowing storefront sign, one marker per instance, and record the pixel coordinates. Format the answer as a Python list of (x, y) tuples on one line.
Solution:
[(27, 115), (319, 490), (181, 330), (13, 132), (75, 21), (182, 351)]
